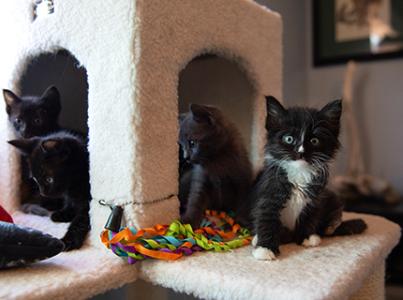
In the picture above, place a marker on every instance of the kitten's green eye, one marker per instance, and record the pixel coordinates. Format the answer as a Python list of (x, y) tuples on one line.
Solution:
[(192, 143), (315, 141), (49, 180), (288, 139)]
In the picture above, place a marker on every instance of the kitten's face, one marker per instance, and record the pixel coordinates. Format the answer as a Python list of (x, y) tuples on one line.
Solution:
[(200, 137), (33, 116), (49, 164), (302, 134)]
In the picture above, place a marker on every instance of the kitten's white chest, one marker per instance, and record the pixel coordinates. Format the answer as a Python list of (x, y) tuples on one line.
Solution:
[(300, 174), (293, 208)]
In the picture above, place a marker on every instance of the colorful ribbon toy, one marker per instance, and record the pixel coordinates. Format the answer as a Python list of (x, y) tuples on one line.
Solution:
[(218, 233)]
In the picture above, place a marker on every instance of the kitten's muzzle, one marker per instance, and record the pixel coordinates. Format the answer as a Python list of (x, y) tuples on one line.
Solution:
[(50, 195), (299, 152), (49, 192), (298, 156), (188, 158), (26, 135)]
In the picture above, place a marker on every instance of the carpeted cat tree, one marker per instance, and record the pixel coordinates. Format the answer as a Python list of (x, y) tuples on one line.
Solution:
[(133, 51)]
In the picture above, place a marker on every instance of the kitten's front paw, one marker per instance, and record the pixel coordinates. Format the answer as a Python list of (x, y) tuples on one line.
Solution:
[(312, 241), (254, 241), (71, 243), (61, 216), (34, 209), (261, 253), (193, 221)]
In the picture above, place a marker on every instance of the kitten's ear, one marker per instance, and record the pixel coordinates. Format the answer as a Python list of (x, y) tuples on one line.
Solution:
[(50, 145), (55, 147), (332, 111), (24, 146), (201, 113), (51, 93), (11, 99), (275, 111), (51, 97)]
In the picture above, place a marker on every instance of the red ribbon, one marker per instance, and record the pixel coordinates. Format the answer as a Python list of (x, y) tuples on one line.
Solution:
[(5, 216)]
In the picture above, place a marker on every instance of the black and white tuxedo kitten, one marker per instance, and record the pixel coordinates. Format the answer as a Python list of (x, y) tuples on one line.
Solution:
[(58, 163), (290, 200), (216, 172)]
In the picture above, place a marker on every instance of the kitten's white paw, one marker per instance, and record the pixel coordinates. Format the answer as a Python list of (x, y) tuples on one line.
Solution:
[(254, 241), (261, 253), (313, 241)]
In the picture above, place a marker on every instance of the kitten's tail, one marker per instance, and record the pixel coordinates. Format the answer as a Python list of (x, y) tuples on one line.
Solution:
[(350, 227)]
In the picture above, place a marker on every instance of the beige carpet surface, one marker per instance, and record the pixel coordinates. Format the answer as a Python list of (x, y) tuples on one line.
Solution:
[(74, 275), (334, 270)]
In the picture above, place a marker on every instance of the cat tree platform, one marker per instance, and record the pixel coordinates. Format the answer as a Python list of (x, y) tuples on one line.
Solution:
[(340, 268), (72, 275)]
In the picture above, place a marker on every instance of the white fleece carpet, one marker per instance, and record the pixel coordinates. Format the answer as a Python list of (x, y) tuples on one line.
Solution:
[(334, 270), (73, 275)]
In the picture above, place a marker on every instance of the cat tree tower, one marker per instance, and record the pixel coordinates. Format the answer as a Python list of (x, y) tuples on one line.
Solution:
[(133, 51)]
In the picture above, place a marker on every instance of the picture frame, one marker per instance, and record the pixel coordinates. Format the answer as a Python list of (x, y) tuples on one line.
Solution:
[(359, 30)]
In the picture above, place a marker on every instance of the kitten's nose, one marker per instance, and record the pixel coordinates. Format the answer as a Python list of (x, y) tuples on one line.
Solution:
[(27, 135), (186, 155), (42, 191), (301, 149)]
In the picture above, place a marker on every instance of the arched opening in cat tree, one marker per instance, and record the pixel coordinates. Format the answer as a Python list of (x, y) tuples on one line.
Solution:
[(214, 80), (64, 71)]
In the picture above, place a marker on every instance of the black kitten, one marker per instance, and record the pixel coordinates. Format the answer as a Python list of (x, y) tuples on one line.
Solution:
[(219, 173), (33, 115), (291, 202), (58, 164)]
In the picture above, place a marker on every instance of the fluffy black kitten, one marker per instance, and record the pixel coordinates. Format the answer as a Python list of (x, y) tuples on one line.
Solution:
[(58, 163), (291, 202), (33, 115), (219, 173)]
